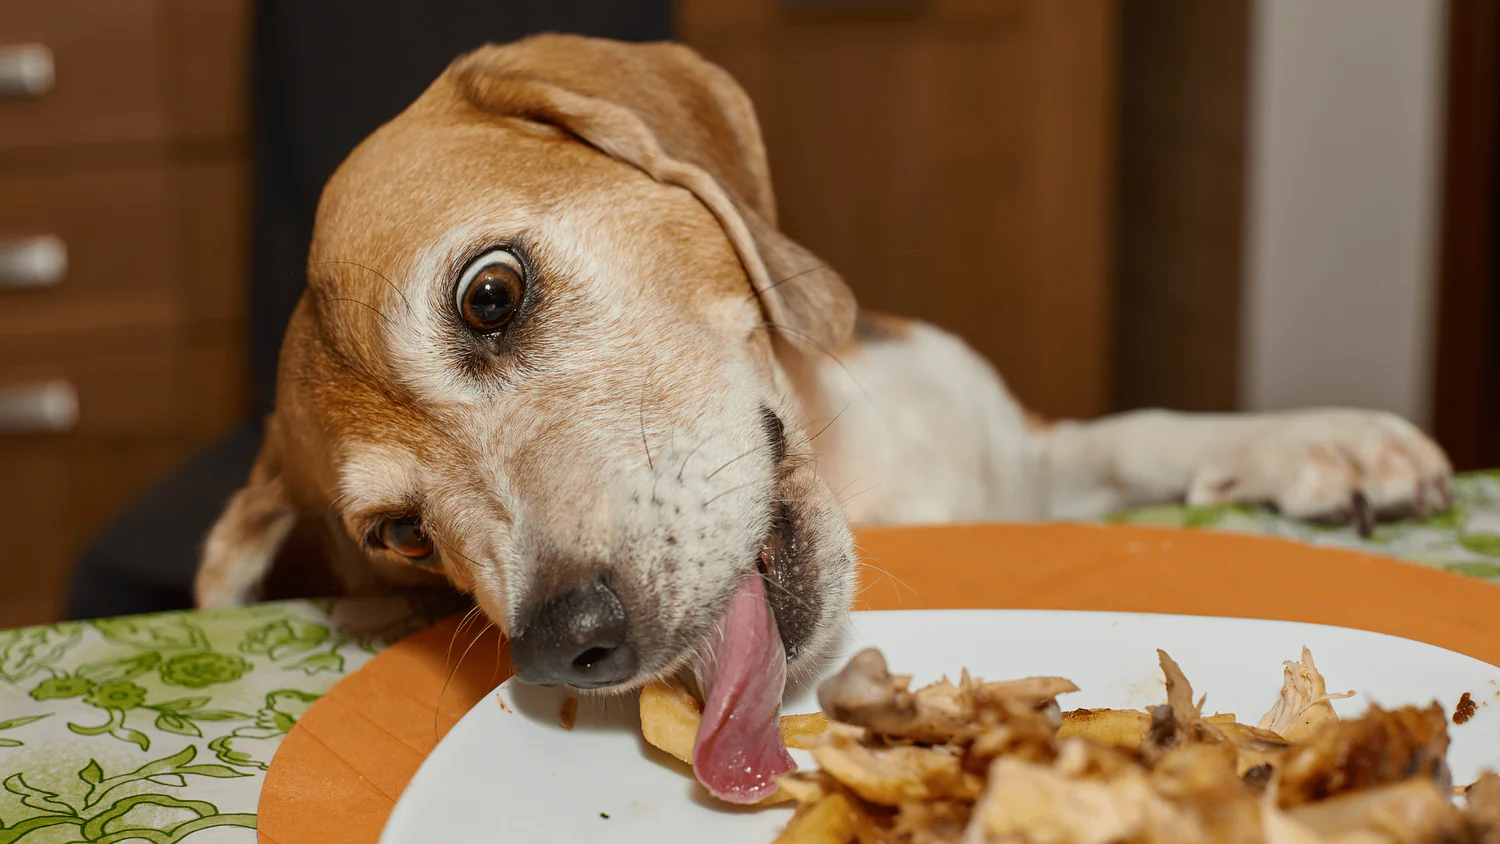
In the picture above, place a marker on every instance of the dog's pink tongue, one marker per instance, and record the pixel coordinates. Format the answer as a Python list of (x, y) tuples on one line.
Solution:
[(739, 747)]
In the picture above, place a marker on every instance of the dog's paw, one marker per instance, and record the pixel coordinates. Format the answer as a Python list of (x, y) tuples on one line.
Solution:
[(1330, 465)]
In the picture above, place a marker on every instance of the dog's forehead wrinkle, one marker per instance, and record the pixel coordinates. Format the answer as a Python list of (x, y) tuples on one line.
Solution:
[(376, 477)]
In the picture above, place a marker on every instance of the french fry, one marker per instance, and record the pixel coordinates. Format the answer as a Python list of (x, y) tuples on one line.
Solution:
[(670, 719), (832, 820), (1116, 727), (803, 732)]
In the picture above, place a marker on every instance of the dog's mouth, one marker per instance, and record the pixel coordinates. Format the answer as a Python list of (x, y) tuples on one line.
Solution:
[(742, 672), (780, 559)]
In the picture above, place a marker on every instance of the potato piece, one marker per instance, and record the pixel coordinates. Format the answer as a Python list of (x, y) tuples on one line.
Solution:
[(1113, 727), (832, 820), (803, 732), (1116, 727), (670, 719), (805, 786)]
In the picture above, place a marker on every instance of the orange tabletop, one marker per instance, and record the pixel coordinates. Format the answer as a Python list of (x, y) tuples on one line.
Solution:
[(340, 770)]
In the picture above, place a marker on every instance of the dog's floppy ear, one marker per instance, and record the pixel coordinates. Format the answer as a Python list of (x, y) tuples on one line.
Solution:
[(684, 121), (242, 545)]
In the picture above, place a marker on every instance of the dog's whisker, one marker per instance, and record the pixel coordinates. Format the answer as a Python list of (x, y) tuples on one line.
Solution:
[(788, 279), (734, 488), (808, 339), (340, 504), (701, 443), (649, 461), (731, 461), (373, 272), (437, 711), (448, 546), (829, 424), (840, 491), (802, 602), (885, 574), (458, 631), (756, 294), (844, 501), (376, 311)]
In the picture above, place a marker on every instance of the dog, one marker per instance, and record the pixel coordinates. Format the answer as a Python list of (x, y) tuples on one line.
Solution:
[(555, 351)]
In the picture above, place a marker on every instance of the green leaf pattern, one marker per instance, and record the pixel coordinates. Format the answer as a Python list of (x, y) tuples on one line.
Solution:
[(160, 728), (1463, 539)]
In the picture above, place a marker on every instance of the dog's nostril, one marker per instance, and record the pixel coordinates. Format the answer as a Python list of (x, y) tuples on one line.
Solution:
[(775, 432), (580, 639), (589, 658)]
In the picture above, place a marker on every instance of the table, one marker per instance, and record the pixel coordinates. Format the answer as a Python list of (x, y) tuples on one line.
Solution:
[(161, 727)]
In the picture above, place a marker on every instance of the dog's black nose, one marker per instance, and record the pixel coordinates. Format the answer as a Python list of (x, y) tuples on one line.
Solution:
[(579, 638)]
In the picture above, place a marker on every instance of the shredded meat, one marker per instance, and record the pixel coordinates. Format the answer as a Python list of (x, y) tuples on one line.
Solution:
[(865, 694), (1381, 748), (1416, 810), (1482, 815), (1179, 721), (1304, 702), (984, 763)]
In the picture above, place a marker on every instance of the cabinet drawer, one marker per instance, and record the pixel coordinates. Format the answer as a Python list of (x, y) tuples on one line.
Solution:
[(146, 389), (128, 70), (150, 246), (56, 497), (140, 410)]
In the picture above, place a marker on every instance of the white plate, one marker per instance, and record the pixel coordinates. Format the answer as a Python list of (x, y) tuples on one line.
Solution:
[(513, 774)]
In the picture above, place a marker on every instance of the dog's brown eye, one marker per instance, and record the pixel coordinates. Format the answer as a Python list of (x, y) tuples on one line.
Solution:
[(490, 291), (406, 537)]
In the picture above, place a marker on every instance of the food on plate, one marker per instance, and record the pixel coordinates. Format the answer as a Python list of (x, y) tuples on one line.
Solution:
[(975, 762), (670, 717), (1465, 709), (669, 720), (1304, 702)]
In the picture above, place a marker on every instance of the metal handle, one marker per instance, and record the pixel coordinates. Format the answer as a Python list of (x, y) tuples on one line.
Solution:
[(47, 408), (26, 70), (31, 262)]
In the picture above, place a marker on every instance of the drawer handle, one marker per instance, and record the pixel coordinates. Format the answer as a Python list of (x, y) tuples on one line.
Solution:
[(25, 70), (46, 408), (31, 262)]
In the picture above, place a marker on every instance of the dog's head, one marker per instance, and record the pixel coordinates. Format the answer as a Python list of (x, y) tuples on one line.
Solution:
[(547, 352)]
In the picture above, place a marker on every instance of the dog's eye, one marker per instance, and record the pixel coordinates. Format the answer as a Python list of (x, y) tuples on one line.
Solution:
[(489, 291), (406, 537)]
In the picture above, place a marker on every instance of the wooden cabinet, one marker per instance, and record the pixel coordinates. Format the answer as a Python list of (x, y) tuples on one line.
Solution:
[(123, 264), (952, 158)]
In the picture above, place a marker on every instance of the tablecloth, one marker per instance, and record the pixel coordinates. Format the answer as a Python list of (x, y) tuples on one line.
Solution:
[(160, 728)]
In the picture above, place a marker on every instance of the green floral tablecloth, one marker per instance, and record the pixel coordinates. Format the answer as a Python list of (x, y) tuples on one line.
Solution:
[(160, 728)]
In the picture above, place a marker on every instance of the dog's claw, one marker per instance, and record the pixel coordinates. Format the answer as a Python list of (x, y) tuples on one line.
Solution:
[(1364, 516)]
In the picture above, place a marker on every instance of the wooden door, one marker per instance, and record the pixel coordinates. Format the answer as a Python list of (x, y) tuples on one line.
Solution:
[(952, 158), (1466, 406)]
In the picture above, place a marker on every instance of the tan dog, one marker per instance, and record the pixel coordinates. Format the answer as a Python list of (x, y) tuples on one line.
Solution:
[(554, 350)]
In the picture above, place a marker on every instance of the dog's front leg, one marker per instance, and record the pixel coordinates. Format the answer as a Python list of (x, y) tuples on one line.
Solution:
[(1312, 464)]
